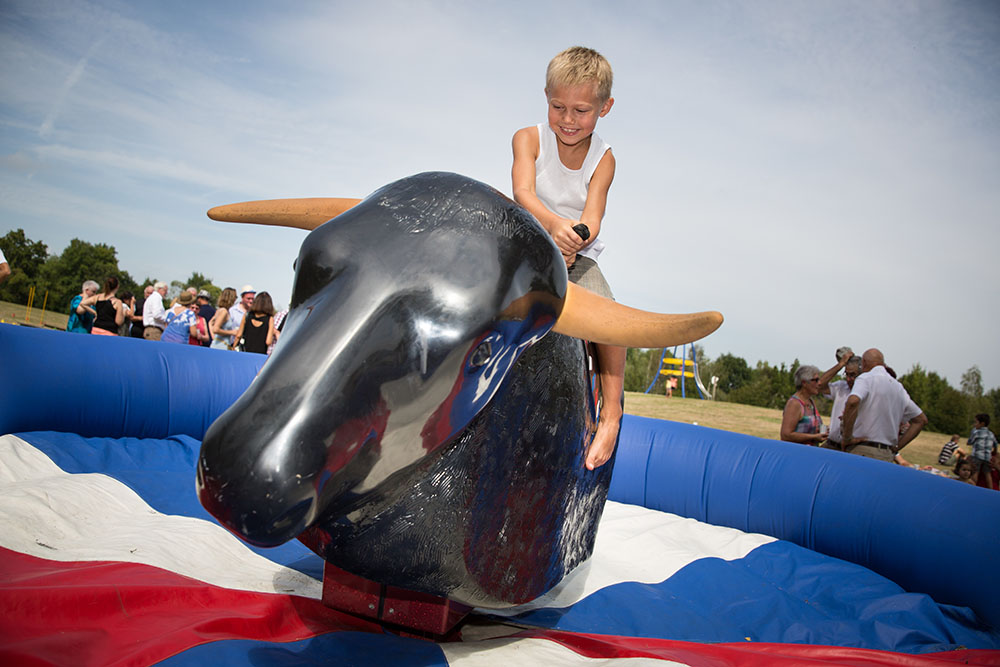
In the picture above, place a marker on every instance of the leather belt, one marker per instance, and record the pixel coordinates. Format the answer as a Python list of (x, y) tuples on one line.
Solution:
[(872, 443)]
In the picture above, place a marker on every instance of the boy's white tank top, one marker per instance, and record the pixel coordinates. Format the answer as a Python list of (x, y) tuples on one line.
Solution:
[(564, 190)]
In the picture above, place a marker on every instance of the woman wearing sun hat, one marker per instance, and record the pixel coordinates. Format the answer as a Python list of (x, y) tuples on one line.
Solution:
[(182, 322)]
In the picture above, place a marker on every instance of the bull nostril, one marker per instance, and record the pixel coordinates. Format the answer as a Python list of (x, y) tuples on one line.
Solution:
[(481, 354)]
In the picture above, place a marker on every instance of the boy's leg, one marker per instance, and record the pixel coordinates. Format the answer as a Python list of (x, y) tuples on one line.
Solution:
[(611, 370), (981, 474)]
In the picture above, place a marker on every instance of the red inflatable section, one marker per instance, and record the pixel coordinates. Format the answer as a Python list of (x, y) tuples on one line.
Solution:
[(137, 614)]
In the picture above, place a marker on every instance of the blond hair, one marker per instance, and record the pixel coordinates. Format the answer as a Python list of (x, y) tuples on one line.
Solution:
[(579, 65)]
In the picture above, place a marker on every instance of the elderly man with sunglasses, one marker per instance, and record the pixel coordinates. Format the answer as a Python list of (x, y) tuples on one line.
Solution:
[(878, 404), (850, 363)]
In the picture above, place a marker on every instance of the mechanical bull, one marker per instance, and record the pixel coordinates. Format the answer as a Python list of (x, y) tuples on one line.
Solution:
[(419, 425)]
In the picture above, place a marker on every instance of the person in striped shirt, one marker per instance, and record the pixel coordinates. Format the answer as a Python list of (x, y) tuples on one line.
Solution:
[(949, 450)]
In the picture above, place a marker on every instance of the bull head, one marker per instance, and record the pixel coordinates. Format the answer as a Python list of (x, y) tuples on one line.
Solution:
[(409, 311)]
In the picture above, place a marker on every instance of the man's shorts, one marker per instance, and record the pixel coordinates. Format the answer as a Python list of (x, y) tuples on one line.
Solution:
[(977, 465), (152, 333), (586, 273)]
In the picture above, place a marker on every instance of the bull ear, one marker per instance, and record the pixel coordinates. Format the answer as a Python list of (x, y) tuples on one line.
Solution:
[(299, 213), (597, 319)]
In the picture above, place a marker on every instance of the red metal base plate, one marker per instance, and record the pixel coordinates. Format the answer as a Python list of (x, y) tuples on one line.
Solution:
[(411, 611)]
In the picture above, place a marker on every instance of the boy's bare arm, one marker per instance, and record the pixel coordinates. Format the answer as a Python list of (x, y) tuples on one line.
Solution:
[(525, 144), (597, 194)]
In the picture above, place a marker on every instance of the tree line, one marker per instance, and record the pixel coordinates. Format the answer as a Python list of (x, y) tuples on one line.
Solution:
[(948, 409), (63, 274)]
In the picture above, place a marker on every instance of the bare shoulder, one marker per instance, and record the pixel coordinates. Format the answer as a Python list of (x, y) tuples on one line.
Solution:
[(526, 139), (530, 132), (606, 167), (604, 174)]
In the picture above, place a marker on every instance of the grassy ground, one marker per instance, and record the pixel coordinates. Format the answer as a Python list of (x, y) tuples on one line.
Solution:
[(17, 313), (761, 422)]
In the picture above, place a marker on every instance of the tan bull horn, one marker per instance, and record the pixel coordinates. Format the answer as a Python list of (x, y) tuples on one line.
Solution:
[(298, 213), (597, 319)]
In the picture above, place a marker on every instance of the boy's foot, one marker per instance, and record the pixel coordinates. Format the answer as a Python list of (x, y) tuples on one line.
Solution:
[(603, 445)]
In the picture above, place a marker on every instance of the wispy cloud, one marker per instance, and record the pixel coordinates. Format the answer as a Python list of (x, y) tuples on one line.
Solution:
[(74, 76), (163, 168)]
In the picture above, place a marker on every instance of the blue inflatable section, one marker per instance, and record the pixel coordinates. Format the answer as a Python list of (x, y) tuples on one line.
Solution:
[(909, 526), (340, 648), (778, 593), (115, 387)]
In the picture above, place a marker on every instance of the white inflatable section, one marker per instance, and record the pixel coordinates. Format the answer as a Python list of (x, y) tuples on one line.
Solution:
[(530, 652), (636, 544), (49, 513)]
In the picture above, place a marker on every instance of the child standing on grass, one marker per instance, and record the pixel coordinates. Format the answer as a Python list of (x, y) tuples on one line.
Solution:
[(982, 445), (562, 173)]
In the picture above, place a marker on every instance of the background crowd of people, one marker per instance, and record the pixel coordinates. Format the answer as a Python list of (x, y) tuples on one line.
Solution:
[(874, 416), (244, 321)]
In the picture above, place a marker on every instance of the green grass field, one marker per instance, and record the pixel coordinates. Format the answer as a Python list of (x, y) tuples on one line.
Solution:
[(19, 314), (761, 422)]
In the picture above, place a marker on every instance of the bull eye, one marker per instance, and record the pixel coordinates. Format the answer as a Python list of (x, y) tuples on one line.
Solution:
[(481, 354)]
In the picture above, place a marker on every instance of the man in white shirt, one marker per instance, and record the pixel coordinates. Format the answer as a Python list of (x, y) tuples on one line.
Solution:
[(878, 404), (154, 314), (242, 307), (839, 391)]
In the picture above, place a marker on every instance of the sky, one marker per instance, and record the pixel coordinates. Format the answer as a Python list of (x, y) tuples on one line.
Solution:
[(824, 173)]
